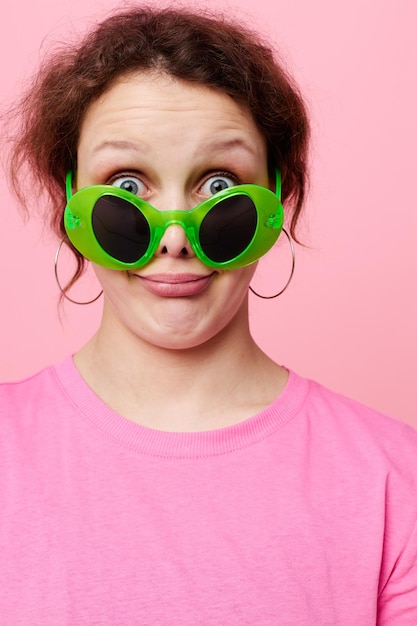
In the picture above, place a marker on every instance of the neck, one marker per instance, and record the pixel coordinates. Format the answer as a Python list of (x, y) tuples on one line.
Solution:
[(212, 385)]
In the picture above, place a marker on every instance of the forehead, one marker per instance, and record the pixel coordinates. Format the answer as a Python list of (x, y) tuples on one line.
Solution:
[(157, 109)]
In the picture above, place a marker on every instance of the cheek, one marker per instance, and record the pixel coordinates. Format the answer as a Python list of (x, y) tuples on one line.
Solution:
[(104, 275), (242, 277), (233, 285), (111, 281)]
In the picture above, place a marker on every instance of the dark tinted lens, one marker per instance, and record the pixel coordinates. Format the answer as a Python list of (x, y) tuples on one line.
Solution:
[(120, 228), (228, 228)]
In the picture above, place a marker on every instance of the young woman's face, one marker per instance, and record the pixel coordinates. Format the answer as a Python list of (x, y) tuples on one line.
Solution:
[(174, 144)]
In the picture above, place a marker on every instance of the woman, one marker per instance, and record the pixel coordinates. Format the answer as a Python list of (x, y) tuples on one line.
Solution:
[(171, 473)]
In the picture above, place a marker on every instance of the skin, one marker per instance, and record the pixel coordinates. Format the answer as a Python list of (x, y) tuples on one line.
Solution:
[(175, 328)]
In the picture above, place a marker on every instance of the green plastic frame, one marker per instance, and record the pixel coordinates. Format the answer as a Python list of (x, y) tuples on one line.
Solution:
[(79, 227)]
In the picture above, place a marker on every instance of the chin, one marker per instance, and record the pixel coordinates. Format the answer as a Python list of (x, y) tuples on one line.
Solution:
[(189, 341), (184, 336)]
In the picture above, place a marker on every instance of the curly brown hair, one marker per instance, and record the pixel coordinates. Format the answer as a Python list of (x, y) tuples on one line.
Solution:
[(189, 45)]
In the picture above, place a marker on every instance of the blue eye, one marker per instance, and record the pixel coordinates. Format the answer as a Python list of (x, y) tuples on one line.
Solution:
[(214, 184), (130, 183)]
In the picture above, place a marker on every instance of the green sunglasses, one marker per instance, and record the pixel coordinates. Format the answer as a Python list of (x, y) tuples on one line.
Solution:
[(116, 229)]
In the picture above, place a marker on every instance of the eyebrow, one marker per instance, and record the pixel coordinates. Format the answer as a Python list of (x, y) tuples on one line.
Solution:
[(227, 144), (211, 144), (117, 144)]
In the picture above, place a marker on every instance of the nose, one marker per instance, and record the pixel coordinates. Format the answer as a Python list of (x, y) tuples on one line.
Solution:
[(174, 243)]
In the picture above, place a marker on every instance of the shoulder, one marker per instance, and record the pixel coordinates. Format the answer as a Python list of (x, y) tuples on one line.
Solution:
[(26, 399), (335, 409), (352, 415), (17, 391), (347, 429)]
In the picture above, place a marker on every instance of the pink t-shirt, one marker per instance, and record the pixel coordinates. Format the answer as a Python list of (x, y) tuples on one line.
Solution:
[(303, 515)]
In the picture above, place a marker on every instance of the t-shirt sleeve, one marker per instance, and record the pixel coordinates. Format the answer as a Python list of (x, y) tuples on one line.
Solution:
[(397, 602)]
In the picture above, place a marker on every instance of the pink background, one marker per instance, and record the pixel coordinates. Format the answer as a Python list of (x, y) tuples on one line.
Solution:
[(349, 318)]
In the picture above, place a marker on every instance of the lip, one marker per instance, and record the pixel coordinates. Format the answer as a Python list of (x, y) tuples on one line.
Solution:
[(170, 285)]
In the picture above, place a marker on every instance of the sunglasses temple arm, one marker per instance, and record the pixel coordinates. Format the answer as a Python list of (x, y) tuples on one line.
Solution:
[(278, 184), (68, 185)]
